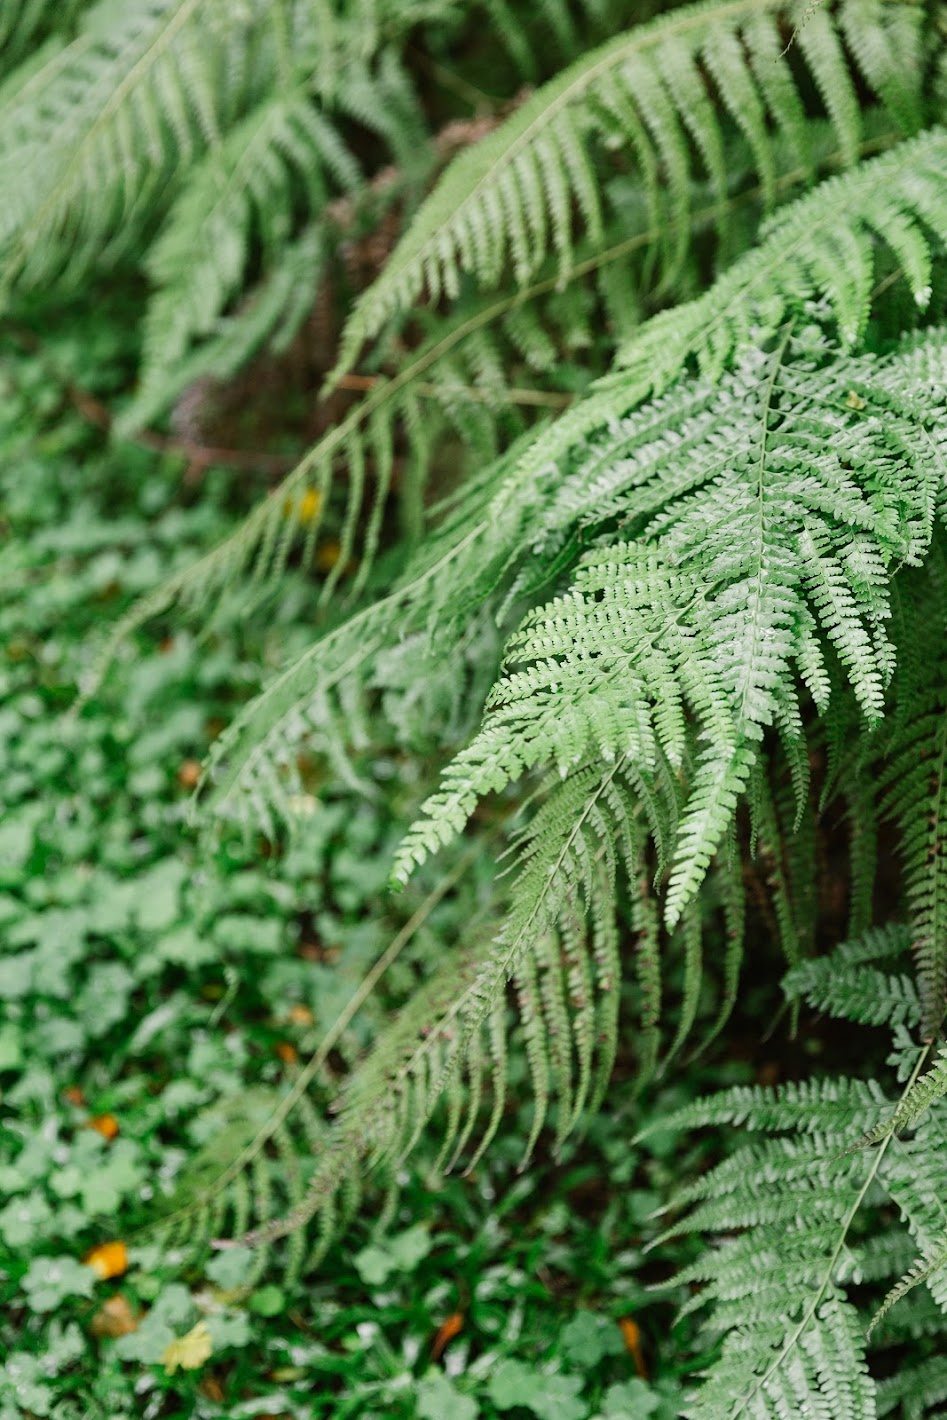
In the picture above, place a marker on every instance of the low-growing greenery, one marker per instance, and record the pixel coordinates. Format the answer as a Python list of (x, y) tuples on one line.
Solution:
[(156, 993)]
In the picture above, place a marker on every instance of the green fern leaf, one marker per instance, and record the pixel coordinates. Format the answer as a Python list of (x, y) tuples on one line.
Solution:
[(824, 245), (510, 200)]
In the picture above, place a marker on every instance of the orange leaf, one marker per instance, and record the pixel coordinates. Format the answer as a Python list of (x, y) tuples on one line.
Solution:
[(73, 1095), (286, 1052), (104, 1124), (114, 1318), (189, 773), (632, 1335), (446, 1332), (108, 1260), (300, 1015)]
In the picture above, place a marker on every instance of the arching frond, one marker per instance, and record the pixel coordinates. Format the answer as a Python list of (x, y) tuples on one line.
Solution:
[(92, 136), (740, 567), (284, 157), (778, 1283), (825, 246), (664, 94)]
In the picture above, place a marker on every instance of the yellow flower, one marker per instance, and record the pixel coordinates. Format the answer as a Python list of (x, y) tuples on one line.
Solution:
[(306, 509), (188, 1352)]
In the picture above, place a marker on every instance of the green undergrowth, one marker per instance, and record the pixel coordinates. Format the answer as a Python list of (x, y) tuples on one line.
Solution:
[(165, 988)]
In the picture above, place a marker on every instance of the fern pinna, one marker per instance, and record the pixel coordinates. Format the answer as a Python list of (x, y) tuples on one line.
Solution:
[(648, 481)]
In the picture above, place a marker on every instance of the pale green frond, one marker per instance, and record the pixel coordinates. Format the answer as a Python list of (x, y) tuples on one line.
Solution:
[(777, 1282), (930, 1087), (935, 1260), (698, 612), (649, 93), (824, 246), (248, 191), (98, 134)]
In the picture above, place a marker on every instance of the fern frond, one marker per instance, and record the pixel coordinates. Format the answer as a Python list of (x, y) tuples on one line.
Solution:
[(915, 1389), (266, 319), (824, 246), (706, 617), (91, 140), (793, 1341), (930, 1087), (26, 23), (934, 1261), (862, 994), (807, 1106), (914, 785), (557, 950), (96, 130), (283, 158), (456, 379), (665, 94)]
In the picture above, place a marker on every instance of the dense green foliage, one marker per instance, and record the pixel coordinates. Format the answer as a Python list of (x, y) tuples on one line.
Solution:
[(627, 565), (146, 981)]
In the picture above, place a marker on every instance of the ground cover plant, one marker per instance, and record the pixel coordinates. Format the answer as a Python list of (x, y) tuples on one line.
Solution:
[(588, 365), (159, 1001)]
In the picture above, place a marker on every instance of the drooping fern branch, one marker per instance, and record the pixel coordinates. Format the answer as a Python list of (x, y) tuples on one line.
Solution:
[(663, 94), (747, 558), (647, 691), (801, 1212)]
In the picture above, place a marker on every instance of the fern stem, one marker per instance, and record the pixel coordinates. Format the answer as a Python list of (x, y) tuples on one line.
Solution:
[(542, 399)]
